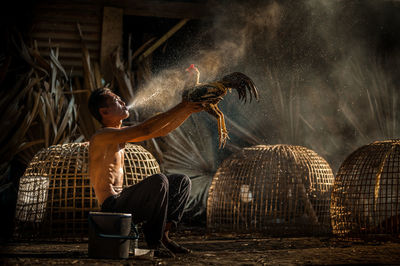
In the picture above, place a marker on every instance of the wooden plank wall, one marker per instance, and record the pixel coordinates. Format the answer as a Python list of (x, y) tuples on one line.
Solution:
[(55, 21), (112, 31)]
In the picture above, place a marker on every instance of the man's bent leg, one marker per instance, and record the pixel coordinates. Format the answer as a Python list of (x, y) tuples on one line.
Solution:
[(179, 192), (147, 201)]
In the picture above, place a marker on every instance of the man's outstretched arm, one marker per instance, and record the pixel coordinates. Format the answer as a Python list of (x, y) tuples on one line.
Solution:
[(180, 118), (157, 126)]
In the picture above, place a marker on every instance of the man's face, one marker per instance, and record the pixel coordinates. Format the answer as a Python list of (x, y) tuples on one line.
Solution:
[(116, 108)]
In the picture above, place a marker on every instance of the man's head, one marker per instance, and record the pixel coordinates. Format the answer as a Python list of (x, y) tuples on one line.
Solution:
[(105, 106)]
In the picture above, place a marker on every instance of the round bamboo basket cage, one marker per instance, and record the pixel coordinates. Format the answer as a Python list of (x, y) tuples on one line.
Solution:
[(366, 193), (55, 195), (272, 189)]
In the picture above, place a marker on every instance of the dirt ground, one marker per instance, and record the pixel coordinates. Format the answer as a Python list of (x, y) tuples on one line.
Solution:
[(219, 249)]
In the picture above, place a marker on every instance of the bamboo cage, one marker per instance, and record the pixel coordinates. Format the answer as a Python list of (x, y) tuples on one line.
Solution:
[(366, 194), (55, 196), (271, 189)]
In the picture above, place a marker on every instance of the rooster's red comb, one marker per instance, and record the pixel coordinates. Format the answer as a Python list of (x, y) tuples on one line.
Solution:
[(191, 67)]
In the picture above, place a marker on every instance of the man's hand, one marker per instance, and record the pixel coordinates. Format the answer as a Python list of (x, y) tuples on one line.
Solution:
[(193, 107)]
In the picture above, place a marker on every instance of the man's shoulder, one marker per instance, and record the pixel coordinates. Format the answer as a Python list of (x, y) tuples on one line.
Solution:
[(112, 135), (103, 131), (97, 140)]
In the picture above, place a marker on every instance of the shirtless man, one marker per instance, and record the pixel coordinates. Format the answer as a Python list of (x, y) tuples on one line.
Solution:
[(157, 201)]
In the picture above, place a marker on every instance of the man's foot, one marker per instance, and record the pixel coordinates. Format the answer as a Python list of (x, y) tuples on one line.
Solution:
[(162, 252), (176, 248)]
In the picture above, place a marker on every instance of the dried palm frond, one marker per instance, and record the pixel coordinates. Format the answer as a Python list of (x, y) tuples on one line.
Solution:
[(5, 62), (287, 106), (97, 75), (38, 58), (88, 75), (25, 54), (124, 77), (91, 80), (42, 113), (374, 97), (17, 127), (188, 150), (86, 123)]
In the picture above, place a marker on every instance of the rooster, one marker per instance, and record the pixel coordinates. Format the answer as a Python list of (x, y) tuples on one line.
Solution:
[(210, 94)]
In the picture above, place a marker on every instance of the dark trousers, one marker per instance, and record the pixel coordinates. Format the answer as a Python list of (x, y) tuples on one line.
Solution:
[(154, 201)]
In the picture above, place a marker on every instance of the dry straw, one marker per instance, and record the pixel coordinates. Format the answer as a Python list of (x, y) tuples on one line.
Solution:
[(366, 193), (55, 195), (42, 113), (273, 189)]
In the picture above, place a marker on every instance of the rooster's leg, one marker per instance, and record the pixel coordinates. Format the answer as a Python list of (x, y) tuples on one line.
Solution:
[(222, 126), (222, 121), (213, 110)]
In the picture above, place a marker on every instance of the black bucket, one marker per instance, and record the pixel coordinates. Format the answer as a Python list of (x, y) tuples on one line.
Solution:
[(109, 235)]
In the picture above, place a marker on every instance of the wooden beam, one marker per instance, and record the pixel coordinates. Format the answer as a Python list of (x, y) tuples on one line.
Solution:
[(165, 37), (149, 8), (111, 38), (162, 9)]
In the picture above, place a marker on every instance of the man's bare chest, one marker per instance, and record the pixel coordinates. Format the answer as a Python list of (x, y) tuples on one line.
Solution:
[(114, 154)]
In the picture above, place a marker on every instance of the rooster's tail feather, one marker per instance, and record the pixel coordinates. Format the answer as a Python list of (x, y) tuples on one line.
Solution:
[(242, 84)]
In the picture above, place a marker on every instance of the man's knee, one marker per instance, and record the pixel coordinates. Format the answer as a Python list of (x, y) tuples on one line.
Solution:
[(159, 181)]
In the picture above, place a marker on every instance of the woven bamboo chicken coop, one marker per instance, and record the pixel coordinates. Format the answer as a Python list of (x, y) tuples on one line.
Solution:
[(272, 189), (55, 195), (366, 193)]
